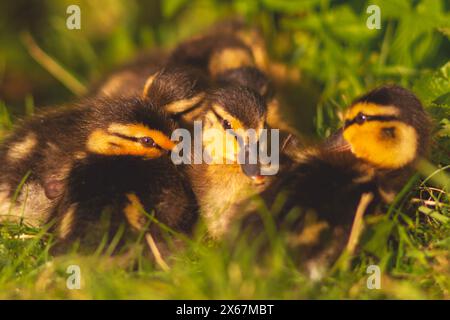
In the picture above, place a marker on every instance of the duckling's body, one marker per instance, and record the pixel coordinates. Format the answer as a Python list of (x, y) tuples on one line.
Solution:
[(43, 148), (129, 80), (127, 189), (213, 53)]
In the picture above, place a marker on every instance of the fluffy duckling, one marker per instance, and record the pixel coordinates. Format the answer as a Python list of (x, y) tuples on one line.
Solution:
[(237, 103), (221, 184), (101, 144), (386, 131), (126, 171)]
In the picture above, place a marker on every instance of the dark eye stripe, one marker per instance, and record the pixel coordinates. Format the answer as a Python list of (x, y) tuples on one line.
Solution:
[(225, 123), (216, 114), (361, 118), (134, 139)]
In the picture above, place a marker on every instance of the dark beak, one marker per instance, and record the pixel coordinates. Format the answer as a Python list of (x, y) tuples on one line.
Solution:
[(252, 171), (336, 142)]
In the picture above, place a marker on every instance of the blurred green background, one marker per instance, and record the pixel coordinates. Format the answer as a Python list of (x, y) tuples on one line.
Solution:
[(338, 58)]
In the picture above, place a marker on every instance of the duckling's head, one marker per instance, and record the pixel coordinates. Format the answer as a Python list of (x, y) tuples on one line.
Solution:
[(129, 127), (232, 124), (175, 89), (387, 127), (248, 76)]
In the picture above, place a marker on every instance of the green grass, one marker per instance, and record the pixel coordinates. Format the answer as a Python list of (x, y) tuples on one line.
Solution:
[(338, 57)]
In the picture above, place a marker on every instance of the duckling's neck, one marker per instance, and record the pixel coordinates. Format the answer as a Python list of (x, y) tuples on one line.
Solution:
[(222, 191)]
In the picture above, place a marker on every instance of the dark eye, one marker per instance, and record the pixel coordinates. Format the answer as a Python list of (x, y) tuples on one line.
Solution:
[(147, 142), (360, 118), (226, 124)]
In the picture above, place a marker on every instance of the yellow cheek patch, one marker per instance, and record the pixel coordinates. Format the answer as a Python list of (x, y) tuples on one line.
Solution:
[(133, 212), (217, 143), (223, 146), (230, 58), (370, 142), (101, 142), (371, 109)]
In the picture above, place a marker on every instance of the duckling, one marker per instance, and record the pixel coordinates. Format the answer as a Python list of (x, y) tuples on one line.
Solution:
[(126, 172), (65, 148), (221, 184), (386, 132), (237, 102)]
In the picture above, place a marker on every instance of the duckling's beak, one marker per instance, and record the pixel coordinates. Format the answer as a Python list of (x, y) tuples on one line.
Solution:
[(252, 171), (336, 142)]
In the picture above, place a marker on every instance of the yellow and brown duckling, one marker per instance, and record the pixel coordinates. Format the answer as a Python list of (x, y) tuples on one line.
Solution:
[(386, 132), (221, 184), (236, 103), (127, 172), (77, 157)]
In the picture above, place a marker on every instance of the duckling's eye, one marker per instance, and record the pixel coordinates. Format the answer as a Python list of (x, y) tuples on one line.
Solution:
[(360, 118), (226, 124), (147, 142)]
